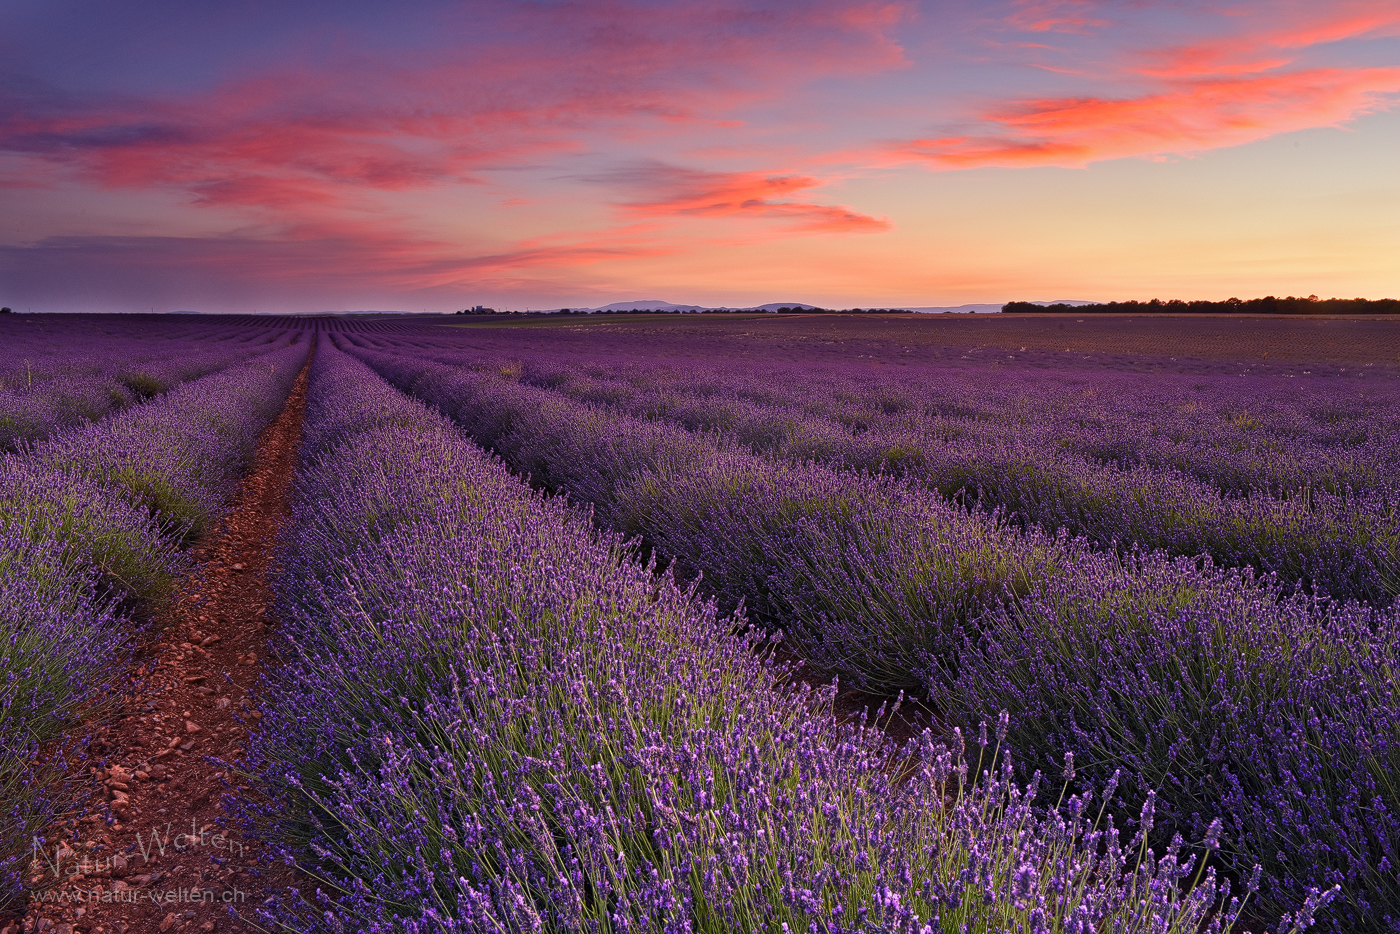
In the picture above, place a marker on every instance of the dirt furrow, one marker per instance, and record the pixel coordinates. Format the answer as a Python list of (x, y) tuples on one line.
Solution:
[(153, 851)]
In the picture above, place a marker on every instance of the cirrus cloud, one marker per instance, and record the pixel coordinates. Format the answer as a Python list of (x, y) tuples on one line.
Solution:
[(324, 162), (1215, 92), (1073, 16), (661, 190), (1189, 116), (549, 79)]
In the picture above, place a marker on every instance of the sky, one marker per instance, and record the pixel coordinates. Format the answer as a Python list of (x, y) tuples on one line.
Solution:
[(333, 155)]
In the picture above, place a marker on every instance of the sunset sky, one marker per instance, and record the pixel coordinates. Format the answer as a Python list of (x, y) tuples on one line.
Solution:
[(314, 156)]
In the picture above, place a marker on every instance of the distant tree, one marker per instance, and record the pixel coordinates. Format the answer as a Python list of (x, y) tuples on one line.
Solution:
[(1268, 305), (5, 311)]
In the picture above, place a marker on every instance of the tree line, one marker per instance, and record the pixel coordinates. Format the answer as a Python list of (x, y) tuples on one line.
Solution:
[(1268, 305)]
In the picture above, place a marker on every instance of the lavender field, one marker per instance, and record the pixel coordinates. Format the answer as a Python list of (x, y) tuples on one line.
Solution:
[(808, 624)]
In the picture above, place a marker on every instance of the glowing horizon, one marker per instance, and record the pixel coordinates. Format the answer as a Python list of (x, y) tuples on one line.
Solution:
[(361, 155)]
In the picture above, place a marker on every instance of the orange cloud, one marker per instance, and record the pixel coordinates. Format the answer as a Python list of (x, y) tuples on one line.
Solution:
[(1276, 46), (1203, 95), (305, 159), (1189, 117), (665, 190), (554, 75), (1055, 16)]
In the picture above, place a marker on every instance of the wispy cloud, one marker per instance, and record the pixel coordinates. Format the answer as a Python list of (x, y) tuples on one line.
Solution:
[(1289, 29), (312, 153), (1073, 16), (315, 133), (660, 190), (1189, 116), (1196, 96), (439, 146)]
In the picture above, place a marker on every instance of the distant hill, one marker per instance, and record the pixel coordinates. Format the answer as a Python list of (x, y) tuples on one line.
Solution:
[(645, 305), (658, 305), (972, 309)]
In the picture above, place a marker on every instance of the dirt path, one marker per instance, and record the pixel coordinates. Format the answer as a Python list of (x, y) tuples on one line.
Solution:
[(150, 853)]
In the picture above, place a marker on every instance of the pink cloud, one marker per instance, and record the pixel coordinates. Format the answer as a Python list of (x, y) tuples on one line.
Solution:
[(1315, 24), (1291, 29), (1188, 117), (304, 135), (310, 154), (237, 147), (1073, 16), (1203, 95), (670, 191)]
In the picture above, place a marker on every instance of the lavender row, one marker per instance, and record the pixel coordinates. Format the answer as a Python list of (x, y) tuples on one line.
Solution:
[(867, 576), (37, 349), (1288, 433), (880, 581), (1261, 434), (49, 385), (39, 341), (489, 718), (61, 634), (91, 521), (183, 453), (1348, 546), (1275, 713)]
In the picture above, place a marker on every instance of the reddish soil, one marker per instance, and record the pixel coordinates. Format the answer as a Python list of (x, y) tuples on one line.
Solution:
[(153, 851), (901, 717)]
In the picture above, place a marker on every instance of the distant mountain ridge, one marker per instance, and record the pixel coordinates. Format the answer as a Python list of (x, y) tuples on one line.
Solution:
[(658, 305), (645, 305)]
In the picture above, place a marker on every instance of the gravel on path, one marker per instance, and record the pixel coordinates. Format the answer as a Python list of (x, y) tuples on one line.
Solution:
[(153, 850)]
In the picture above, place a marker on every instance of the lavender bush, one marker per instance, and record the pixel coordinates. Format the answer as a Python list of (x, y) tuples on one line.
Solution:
[(57, 374), (1228, 699), (56, 636), (1346, 543), (880, 582), (110, 529), (1277, 430), (90, 520), (490, 719), (182, 454), (867, 576)]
